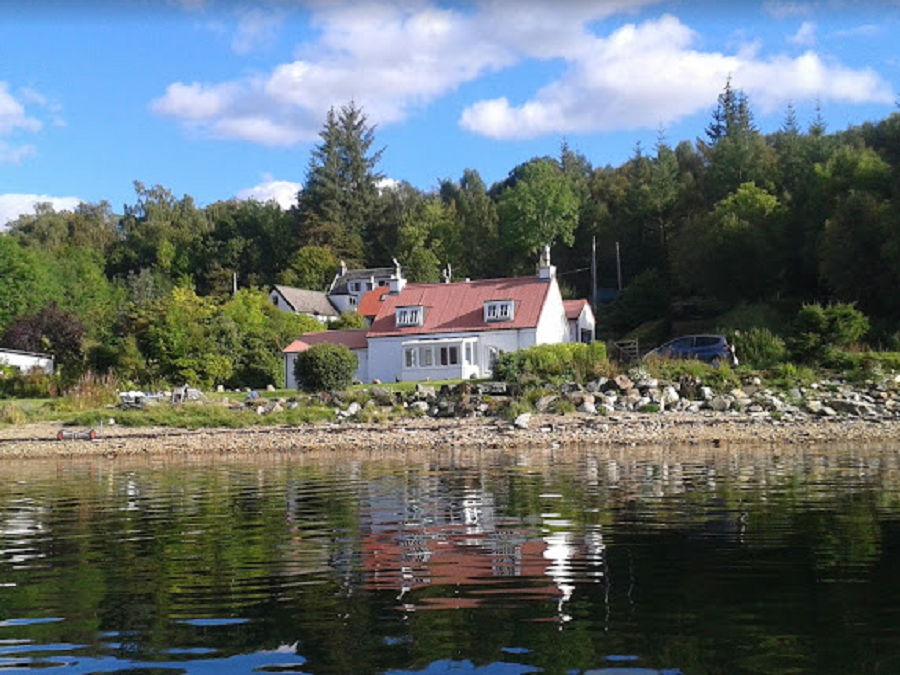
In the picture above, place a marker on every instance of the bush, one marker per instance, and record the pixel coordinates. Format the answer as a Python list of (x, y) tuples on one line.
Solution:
[(573, 362), (758, 347), (646, 298), (32, 384), (325, 367), (817, 328)]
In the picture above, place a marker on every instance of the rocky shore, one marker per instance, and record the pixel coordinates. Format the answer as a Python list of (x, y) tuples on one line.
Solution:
[(629, 410), (544, 430)]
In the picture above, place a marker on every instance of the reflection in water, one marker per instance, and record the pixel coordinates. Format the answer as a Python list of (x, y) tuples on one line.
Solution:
[(560, 561)]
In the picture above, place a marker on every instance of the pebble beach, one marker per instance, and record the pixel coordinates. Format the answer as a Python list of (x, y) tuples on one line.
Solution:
[(34, 441)]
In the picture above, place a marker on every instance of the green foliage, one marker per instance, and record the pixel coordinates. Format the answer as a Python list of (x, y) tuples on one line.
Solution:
[(311, 267), (746, 316), (325, 367), (644, 299), (758, 347), (350, 320), (540, 209), (32, 384), (788, 375), (340, 193), (817, 328), (573, 362)]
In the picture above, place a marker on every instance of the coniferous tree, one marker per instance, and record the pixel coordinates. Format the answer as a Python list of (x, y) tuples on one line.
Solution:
[(341, 189)]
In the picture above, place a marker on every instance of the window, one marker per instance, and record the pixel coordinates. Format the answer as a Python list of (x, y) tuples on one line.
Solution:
[(468, 357), (500, 310), (409, 316), (426, 357), (353, 286), (449, 356), (410, 358), (352, 301)]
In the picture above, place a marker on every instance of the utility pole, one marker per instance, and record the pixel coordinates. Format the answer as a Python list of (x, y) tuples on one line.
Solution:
[(619, 267), (594, 273)]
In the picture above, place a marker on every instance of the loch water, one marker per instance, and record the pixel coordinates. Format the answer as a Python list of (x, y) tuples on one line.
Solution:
[(626, 561)]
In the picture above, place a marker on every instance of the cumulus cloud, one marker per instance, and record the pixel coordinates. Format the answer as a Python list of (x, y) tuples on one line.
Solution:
[(14, 205), (394, 59), (282, 191), (647, 74)]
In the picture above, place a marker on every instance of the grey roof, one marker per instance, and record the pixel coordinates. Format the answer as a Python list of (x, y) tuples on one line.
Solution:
[(380, 274), (307, 302)]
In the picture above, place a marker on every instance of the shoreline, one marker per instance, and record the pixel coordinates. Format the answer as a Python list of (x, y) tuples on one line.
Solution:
[(39, 441)]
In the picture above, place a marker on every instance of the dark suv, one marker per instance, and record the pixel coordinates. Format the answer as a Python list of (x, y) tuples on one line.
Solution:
[(710, 348)]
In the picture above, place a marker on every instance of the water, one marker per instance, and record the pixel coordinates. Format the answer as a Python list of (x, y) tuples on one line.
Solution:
[(631, 562)]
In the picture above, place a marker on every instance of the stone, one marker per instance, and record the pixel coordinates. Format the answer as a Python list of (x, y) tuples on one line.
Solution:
[(419, 406), (425, 392), (587, 406), (718, 403), (353, 409), (270, 387), (624, 383), (522, 421), (544, 402)]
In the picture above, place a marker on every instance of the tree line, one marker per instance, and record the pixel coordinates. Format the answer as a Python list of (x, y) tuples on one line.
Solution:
[(737, 216)]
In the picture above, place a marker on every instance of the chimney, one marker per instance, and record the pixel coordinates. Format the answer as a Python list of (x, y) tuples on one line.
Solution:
[(546, 271), (397, 283), (447, 274), (343, 268)]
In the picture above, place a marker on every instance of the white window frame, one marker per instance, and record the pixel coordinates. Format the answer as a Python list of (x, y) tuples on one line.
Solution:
[(499, 310), (409, 316), (410, 358)]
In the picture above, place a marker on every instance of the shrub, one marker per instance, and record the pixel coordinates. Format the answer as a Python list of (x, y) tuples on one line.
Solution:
[(758, 347), (817, 328), (32, 384), (646, 298), (325, 367), (540, 364)]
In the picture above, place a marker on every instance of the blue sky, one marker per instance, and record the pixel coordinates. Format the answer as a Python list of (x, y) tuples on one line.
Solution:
[(224, 98)]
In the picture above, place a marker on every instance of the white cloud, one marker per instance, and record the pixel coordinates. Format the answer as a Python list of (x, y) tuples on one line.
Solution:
[(393, 59), (14, 154), (282, 191), (14, 205), (787, 10), (257, 27), (643, 75), (805, 35), (12, 114)]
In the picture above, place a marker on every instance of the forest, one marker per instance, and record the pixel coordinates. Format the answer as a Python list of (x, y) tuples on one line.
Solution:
[(736, 221)]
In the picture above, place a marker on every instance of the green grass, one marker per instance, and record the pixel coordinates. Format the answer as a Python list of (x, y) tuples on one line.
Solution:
[(200, 416)]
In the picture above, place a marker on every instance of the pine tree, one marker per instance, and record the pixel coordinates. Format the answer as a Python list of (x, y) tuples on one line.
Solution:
[(338, 198)]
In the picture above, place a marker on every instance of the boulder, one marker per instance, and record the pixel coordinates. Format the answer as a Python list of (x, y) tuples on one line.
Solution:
[(522, 421), (624, 383)]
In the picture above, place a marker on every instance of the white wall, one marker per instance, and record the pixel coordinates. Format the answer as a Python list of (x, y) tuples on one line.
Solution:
[(26, 361), (386, 355), (553, 326)]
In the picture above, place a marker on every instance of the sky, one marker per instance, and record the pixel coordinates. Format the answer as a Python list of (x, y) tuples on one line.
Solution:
[(219, 99)]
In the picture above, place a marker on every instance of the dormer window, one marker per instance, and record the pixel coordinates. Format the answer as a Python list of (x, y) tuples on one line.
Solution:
[(499, 310), (409, 316)]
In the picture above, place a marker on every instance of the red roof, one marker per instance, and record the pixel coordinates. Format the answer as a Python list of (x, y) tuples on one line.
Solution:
[(574, 308), (352, 339), (459, 307), (371, 301)]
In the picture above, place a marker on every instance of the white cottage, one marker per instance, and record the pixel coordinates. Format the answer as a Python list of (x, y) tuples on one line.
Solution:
[(456, 331)]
